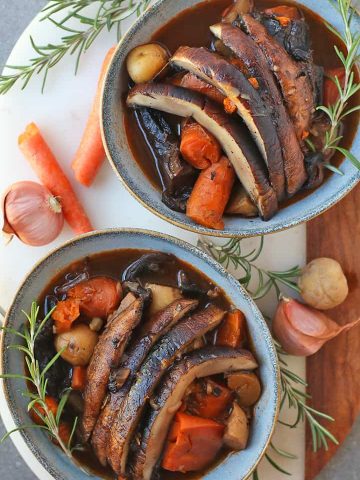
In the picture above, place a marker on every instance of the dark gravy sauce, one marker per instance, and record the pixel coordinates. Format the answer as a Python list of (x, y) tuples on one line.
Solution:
[(191, 28)]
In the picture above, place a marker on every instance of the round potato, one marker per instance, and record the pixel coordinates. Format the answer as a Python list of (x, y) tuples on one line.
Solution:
[(79, 344), (247, 387), (323, 284), (145, 61)]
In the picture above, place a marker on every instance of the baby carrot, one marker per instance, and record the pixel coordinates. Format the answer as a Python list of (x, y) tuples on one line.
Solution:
[(91, 154), (46, 167), (210, 194)]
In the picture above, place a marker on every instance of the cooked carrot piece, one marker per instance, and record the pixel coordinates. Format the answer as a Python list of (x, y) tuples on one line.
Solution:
[(210, 194), (98, 296), (192, 82), (291, 13), (330, 90), (198, 146), (254, 82), (38, 410), (229, 106), (193, 443), (91, 154), (232, 331), (78, 379), (46, 167), (209, 399), (284, 21), (65, 313)]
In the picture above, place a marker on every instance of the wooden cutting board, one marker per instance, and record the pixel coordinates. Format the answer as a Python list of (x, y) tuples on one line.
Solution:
[(333, 374)]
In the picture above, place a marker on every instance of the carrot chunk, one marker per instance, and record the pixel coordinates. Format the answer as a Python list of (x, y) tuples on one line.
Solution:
[(38, 410), (198, 146), (91, 154), (209, 399), (210, 194), (192, 444), (291, 13), (65, 313), (98, 296), (254, 82), (46, 167), (78, 379), (330, 90), (232, 331)]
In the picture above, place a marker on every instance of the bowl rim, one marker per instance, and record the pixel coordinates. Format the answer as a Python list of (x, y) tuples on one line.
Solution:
[(264, 228), (256, 313)]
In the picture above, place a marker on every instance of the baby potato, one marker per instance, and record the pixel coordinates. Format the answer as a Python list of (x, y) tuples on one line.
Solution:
[(323, 284), (145, 61), (246, 385), (80, 342)]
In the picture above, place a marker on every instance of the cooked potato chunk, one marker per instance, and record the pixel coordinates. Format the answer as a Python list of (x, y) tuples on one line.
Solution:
[(162, 296), (237, 429), (79, 344), (145, 61), (247, 387)]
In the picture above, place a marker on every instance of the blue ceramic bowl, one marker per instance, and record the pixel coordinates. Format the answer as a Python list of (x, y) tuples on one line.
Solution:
[(121, 158), (238, 465)]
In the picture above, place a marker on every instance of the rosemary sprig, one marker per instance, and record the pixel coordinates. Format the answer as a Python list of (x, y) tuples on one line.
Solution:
[(340, 110), (37, 379), (109, 14), (231, 254)]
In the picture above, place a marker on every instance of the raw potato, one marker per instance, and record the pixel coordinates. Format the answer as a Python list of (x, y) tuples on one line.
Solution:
[(237, 429), (323, 284), (145, 61), (80, 342), (247, 387), (162, 296)]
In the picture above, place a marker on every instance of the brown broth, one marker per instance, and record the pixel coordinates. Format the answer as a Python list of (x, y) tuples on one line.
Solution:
[(191, 27), (113, 264)]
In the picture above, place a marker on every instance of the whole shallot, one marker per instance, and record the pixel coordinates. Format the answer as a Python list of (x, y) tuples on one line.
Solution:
[(31, 213), (302, 330)]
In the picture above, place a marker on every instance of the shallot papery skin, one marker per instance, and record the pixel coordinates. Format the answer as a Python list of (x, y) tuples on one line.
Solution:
[(31, 213), (302, 330)]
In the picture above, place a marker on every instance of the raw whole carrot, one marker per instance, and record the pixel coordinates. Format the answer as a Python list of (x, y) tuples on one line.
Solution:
[(232, 331), (210, 194), (91, 154), (46, 167), (198, 147), (65, 313), (78, 379), (193, 443)]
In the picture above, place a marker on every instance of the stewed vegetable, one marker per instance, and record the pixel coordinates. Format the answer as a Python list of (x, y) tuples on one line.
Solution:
[(158, 363)]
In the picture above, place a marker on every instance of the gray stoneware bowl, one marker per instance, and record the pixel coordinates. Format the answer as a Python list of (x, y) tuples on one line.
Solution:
[(237, 466), (121, 158)]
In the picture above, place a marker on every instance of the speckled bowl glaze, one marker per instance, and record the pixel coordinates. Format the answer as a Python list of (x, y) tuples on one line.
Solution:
[(237, 466), (121, 158)]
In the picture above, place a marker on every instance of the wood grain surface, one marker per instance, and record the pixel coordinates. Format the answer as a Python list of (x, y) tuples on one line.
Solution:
[(333, 374)]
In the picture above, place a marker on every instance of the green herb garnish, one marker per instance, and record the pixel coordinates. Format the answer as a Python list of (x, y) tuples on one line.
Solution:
[(37, 381), (231, 254), (109, 14), (340, 110)]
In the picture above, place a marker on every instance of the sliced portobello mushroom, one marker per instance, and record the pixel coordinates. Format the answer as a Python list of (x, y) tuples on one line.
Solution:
[(232, 136), (158, 325), (147, 263), (107, 354), (176, 174), (246, 50), (220, 73), (294, 83), (170, 347), (201, 363)]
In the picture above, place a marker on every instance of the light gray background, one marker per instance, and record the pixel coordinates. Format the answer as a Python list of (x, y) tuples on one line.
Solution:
[(14, 17)]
